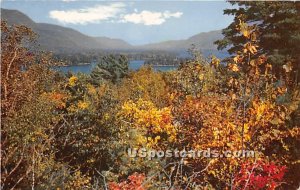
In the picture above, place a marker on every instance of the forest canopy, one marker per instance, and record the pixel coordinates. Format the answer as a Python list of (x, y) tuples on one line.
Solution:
[(73, 131)]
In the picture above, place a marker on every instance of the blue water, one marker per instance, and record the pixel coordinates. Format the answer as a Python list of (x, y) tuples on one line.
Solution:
[(133, 65)]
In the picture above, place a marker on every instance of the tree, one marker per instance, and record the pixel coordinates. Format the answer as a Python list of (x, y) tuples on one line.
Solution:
[(278, 24), (14, 58), (26, 117), (111, 68)]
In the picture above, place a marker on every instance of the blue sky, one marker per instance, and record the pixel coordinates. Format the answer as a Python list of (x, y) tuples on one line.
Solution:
[(137, 22)]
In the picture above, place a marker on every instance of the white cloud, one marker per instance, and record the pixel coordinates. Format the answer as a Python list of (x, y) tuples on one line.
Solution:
[(111, 13), (168, 14), (88, 15), (150, 18)]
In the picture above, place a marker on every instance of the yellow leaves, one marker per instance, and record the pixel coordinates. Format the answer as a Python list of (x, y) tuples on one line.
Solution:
[(233, 97), (247, 135), (238, 59), (79, 106), (172, 96), (215, 61), (144, 115), (141, 140), (235, 59), (246, 33), (229, 144), (91, 89), (82, 105), (244, 28), (260, 109), (216, 133), (78, 181), (106, 116), (73, 80), (288, 67), (253, 63), (232, 82), (233, 67), (268, 66), (212, 172), (127, 108), (250, 47), (267, 114), (152, 142), (157, 138), (171, 131), (146, 84), (201, 76)]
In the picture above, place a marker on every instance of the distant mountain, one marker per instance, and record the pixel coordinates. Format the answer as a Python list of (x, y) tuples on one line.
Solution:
[(57, 38), (112, 44), (62, 39), (203, 41)]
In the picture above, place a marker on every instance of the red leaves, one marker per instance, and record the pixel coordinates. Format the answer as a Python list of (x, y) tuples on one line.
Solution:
[(259, 175), (134, 182), (166, 118)]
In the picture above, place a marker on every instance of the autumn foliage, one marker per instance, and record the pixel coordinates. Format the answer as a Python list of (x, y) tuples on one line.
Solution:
[(72, 131)]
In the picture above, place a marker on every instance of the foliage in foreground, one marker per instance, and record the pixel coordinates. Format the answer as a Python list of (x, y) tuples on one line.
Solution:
[(73, 132)]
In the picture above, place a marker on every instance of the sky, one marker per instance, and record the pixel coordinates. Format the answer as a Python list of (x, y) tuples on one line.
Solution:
[(137, 22)]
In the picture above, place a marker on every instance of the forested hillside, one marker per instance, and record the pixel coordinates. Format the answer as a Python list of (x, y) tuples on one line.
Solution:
[(60, 39)]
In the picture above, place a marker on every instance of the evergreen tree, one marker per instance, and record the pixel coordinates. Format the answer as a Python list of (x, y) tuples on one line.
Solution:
[(279, 27), (110, 68)]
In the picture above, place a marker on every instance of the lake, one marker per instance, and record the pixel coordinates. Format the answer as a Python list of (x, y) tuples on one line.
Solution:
[(133, 65)]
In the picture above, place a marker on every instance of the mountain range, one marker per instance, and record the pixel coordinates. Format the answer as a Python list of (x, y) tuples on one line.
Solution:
[(57, 38)]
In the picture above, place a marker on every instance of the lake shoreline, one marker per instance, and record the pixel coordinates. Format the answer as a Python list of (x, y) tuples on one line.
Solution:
[(85, 64)]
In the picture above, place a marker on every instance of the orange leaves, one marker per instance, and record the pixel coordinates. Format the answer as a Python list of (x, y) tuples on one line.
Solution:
[(281, 90), (261, 59), (134, 182), (59, 99), (208, 122)]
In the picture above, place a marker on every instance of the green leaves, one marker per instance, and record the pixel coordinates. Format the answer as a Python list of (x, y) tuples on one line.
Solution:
[(278, 26)]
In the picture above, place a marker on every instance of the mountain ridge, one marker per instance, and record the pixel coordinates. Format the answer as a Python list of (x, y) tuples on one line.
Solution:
[(57, 38)]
